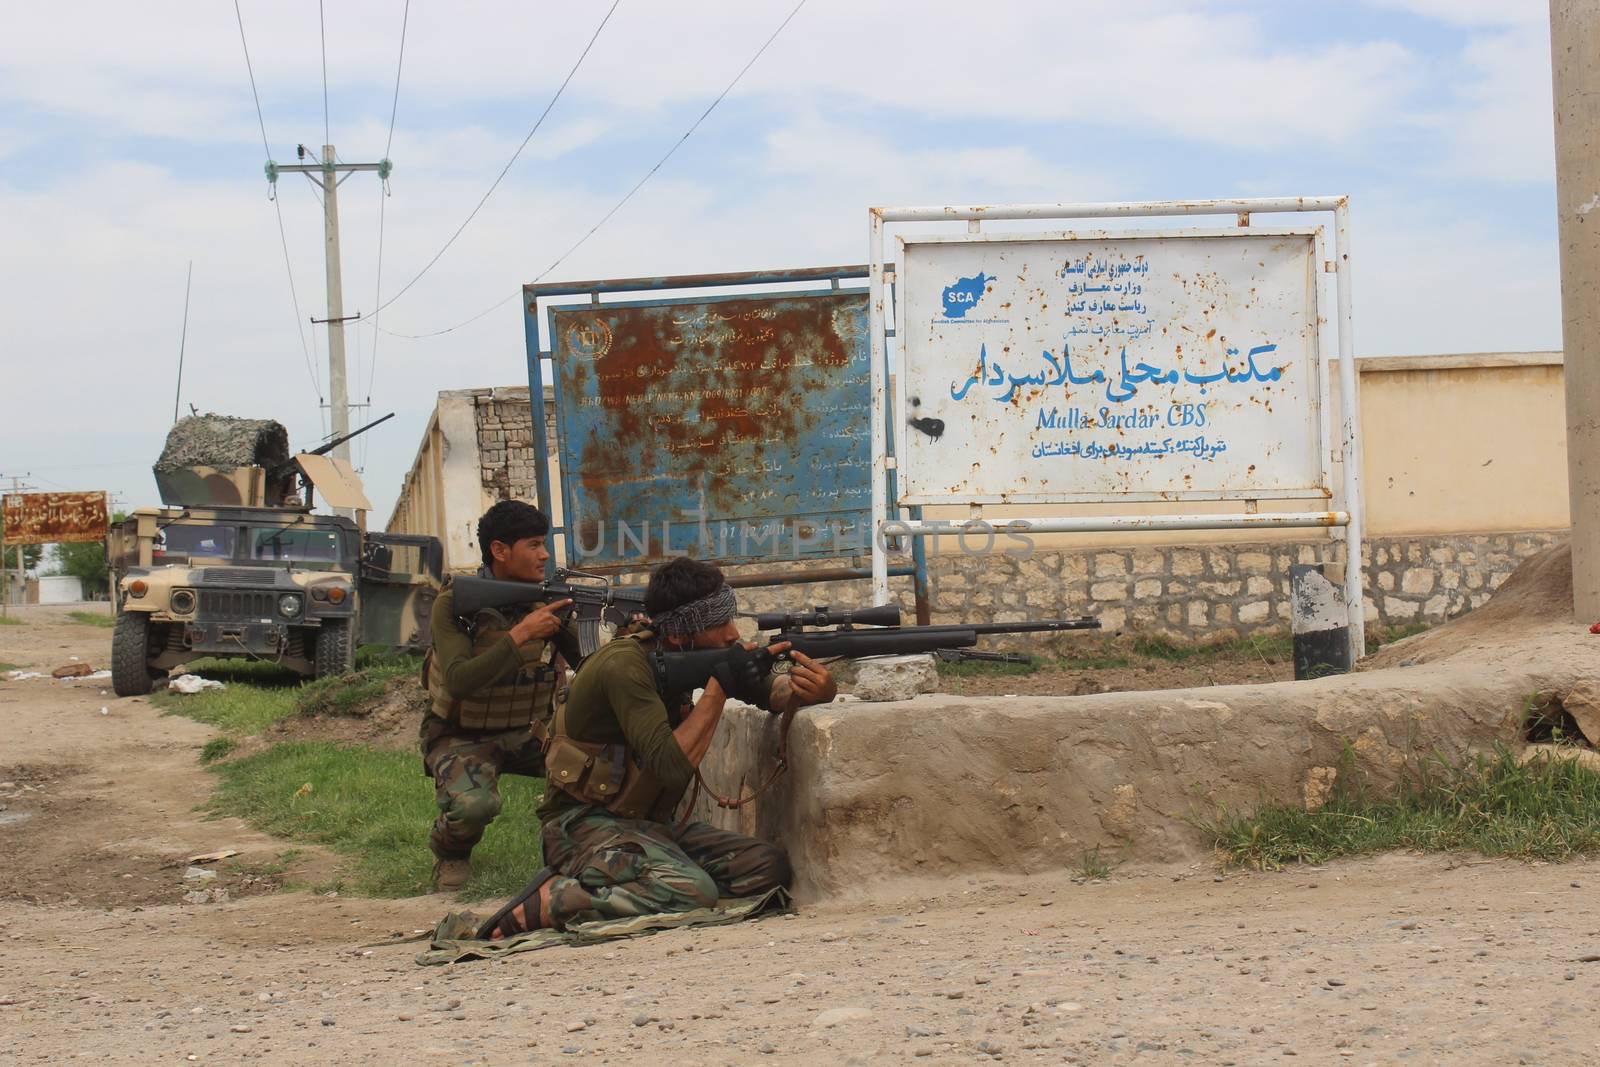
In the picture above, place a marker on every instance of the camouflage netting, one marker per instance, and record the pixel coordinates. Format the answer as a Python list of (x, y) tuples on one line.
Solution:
[(224, 442)]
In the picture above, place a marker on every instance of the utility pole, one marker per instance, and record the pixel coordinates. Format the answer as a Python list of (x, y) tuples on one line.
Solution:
[(1574, 48), (22, 566), (326, 176)]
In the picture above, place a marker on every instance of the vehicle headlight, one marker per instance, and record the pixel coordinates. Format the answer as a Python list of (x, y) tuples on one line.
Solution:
[(182, 601), (289, 605)]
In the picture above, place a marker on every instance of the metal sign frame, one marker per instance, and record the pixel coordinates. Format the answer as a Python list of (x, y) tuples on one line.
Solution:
[(1321, 490), (542, 301), (1349, 517)]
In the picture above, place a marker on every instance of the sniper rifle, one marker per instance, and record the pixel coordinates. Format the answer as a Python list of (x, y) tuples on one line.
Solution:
[(594, 600), (874, 631)]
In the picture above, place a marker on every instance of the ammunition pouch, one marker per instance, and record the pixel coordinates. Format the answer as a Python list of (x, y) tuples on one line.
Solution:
[(607, 777)]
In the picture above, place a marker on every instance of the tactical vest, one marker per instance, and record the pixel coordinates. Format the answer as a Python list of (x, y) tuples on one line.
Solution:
[(606, 776), (522, 700)]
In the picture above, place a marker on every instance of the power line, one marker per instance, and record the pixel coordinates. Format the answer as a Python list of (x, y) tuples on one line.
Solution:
[(677, 144), (507, 168), (283, 239), (626, 197), (383, 199)]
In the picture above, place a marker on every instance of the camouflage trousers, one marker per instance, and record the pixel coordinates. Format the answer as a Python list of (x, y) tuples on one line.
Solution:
[(614, 868), (466, 767)]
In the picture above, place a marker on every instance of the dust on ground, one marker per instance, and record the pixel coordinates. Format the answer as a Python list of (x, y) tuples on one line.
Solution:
[(1389, 960)]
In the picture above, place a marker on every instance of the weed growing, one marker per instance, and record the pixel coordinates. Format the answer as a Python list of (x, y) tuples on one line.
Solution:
[(1093, 868), (10, 620)]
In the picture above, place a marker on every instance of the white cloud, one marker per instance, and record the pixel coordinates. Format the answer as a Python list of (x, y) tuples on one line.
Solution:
[(1474, 12), (93, 300)]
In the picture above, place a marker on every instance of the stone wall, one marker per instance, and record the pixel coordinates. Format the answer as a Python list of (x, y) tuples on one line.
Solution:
[(505, 443), (1213, 592)]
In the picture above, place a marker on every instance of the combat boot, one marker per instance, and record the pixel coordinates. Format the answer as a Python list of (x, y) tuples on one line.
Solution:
[(449, 875)]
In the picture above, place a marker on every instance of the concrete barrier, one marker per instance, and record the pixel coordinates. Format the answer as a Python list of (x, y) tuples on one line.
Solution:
[(940, 785)]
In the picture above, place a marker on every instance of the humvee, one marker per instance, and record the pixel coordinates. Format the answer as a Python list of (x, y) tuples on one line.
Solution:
[(221, 572)]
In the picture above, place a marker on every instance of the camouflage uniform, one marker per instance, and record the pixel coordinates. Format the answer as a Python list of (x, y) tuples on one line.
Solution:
[(466, 762), (614, 868), (466, 767)]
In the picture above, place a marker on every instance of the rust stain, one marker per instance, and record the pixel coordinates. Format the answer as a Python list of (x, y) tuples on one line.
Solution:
[(54, 518)]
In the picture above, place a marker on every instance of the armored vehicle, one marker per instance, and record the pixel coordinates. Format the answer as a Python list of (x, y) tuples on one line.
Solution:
[(221, 571)]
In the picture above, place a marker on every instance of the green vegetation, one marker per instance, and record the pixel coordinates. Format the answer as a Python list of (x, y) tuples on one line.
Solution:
[(374, 807), (217, 748), (337, 696), (10, 620), (1544, 809), (93, 618), (9, 667), (86, 561), (1378, 636), (982, 668), (238, 709), (1093, 868), (1274, 646)]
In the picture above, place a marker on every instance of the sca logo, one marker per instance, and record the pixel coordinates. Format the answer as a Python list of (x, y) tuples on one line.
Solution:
[(963, 295)]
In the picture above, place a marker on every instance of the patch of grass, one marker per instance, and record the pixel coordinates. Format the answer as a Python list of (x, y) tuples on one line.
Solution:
[(1274, 646), (375, 807), (1104, 660), (238, 709), (977, 668), (92, 618), (1545, 809), (9, 667), (1094, 868), (336, 696), (216, 748), (11, 620), (1378, 636)]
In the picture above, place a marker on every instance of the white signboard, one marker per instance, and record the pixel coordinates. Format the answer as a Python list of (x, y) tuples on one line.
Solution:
[(1132, 365)]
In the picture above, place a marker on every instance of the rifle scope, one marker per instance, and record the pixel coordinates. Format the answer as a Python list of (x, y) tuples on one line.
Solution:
[(881, 615)]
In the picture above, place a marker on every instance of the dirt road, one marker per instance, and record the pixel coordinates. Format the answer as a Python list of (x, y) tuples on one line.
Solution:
[(1399, 959)]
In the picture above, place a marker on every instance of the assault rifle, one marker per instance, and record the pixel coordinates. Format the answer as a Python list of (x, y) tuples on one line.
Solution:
[(594, 599), (874, 631)]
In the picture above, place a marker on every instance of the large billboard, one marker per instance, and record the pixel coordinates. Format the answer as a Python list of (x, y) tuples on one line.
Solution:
[(1134, 365), (728, 428), (52, 518)]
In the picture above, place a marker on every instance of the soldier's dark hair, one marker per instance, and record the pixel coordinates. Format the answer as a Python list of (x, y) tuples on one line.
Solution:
[(509, 522), (679, 581)]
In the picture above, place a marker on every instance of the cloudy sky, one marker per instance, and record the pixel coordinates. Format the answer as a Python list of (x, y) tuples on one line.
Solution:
[(130, 145)]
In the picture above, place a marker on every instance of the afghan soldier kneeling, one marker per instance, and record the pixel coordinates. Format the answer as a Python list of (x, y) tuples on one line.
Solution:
[(493, 680), (620, 758)]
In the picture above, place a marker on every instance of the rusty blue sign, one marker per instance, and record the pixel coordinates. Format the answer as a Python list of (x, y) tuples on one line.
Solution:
[(730, 428)]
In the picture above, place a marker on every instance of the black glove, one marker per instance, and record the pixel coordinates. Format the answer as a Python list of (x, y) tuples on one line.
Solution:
[(744, 675)]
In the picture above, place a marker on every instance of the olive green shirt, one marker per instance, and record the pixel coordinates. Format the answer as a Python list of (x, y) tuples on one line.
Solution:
[(461, 672), (613, 700)]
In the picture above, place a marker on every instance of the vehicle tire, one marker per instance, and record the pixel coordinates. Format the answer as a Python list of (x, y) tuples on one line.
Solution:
[(334, 655), (130, 655)]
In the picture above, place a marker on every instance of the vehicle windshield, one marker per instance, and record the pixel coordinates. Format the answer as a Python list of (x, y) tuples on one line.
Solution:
[(302, 545), (197, 541)]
